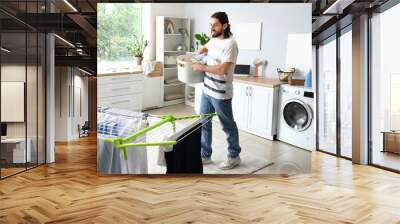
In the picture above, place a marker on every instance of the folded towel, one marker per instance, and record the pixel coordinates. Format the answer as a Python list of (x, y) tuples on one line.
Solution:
[(161, 152), (107, 128), (198, 58)]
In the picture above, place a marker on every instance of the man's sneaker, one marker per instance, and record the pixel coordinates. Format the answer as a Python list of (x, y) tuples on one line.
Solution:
[(230, 163), (206, 160)]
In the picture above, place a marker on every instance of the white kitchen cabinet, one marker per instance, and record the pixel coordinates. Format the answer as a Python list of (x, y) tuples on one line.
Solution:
[(255, 109), (152, 96), (240, 105), (260, 106), (123, 91)]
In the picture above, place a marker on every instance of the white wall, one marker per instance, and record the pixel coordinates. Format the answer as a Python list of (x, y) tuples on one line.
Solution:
[(61, 103), (285, 38), (82, 82), (17, 73), (67, 84), (33, 126)]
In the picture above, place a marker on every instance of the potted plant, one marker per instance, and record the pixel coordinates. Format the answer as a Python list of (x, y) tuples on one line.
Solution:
[(201, 38), (137, 48)]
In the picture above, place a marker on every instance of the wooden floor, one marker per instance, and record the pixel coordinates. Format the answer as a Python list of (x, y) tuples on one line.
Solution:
[(387, 159), (70, 191)]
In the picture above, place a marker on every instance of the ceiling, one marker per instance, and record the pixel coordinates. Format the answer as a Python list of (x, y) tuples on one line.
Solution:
[(75, 43), (75, 21)]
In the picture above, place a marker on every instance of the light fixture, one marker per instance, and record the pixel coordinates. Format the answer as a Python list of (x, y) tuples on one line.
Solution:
[(86, 72), (5, 50), (64, 40), (337, 7), (70, 5)]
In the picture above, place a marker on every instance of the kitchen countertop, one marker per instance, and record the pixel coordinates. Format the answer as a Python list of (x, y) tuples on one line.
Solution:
[(259, 81), (131, 70)]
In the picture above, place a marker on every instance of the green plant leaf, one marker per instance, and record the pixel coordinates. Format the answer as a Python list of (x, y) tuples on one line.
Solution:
[(197, 36)]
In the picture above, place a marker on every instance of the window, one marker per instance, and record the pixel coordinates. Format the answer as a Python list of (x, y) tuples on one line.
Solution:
[(385, 89), (346, 94), (22, 75), (117, 24)]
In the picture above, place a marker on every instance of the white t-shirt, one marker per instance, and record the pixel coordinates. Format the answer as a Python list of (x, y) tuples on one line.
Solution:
[(220, 51)]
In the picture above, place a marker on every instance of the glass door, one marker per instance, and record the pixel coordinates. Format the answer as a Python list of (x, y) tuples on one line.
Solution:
[(327, 96), (22, 78), (14, 153)]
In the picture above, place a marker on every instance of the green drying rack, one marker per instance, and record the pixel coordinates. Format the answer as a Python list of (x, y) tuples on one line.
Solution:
[(123, 143)]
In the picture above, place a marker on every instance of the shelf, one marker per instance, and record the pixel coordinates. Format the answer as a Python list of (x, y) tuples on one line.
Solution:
[(174, 84), (189, 103), (174, 52), (170, 66), (173, 102), (192, 85), (168, 53), (172, 34)]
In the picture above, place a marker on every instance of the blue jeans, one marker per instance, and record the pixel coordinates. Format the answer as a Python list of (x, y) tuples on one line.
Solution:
[(209, 104)]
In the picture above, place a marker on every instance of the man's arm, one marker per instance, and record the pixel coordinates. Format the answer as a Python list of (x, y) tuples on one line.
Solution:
[(221, 69)]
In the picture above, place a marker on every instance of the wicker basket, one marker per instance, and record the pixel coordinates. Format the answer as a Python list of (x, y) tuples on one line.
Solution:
[(285, 74)]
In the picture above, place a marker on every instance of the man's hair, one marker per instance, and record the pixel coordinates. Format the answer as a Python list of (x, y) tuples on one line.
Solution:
[(223, 18)]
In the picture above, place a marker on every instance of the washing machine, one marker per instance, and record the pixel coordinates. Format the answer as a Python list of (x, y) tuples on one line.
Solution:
[(296, 120)]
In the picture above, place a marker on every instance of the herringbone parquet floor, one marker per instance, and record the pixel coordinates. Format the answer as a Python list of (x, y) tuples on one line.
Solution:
[(70, 191)]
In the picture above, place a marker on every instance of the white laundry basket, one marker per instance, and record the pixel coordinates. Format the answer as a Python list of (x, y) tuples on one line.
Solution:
[(185, 72)]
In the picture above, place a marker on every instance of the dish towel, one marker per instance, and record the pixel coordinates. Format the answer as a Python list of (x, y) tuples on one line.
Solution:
[(161, 152)]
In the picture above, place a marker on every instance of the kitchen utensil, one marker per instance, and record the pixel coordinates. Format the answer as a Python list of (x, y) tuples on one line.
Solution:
[(257, 62)]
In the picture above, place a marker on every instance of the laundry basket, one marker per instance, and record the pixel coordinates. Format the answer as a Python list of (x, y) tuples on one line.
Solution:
[(185, 72)]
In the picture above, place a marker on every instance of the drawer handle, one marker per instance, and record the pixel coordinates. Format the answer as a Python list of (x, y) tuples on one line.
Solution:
[(119, 78), (116, 89), (122, 101)]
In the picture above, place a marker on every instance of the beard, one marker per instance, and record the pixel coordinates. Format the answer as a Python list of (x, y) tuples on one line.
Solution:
[(215, 33)]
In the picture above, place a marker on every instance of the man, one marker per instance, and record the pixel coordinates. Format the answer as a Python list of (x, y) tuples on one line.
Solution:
[(217, 93)]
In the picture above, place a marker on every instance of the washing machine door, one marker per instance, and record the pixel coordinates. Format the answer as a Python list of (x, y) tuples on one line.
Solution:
[(297, 114)]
